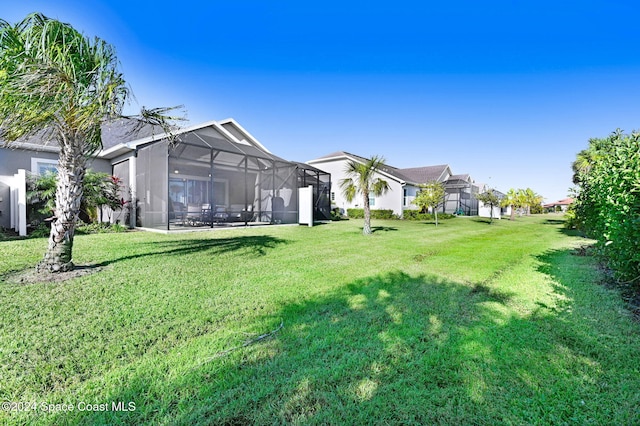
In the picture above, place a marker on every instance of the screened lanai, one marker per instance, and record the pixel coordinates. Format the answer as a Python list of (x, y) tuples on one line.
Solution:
[(460, 196), (206, 179)]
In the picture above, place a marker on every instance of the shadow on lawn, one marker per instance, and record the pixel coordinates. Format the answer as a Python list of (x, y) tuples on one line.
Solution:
[(390, 349), (253, 245), (383, 228)]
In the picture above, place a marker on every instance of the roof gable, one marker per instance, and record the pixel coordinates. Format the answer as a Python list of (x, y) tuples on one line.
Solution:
[(427, 174)]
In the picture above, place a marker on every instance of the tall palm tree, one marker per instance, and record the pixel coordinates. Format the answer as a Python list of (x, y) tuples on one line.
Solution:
[(514, 200), (363, 180), (59, 84), (530, 198), (584, 162)]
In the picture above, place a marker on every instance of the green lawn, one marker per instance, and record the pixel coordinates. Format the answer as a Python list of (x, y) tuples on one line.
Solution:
[(467, 323)]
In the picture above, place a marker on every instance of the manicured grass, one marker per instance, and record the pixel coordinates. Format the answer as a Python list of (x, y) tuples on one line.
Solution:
[(467, 323)]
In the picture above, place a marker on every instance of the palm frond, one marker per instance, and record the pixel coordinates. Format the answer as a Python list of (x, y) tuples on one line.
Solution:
[(379, 187), (349, 189)]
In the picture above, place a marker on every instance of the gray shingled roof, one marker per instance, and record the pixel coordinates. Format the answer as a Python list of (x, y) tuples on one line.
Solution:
[(393, 171), (127, 130), (414, 175), (119, 131), (425, 174), (464, 177)]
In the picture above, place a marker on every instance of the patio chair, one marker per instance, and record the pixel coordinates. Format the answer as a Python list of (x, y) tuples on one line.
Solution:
[(220, 214), (205, 214), (193, 216)]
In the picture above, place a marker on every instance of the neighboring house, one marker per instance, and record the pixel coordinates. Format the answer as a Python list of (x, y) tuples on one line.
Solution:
[(211, 174), (562, 204), (404, 184)]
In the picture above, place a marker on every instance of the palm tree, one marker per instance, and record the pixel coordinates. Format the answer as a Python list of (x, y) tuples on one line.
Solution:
[(530, 198), (59, 84), (584, 162), (363, 180), (513, 199)]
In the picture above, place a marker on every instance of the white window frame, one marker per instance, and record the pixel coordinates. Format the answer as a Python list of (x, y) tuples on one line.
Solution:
[(36, 162)]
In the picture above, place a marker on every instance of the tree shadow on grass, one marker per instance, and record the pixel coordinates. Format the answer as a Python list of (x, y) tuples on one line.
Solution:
[(251, 245), (484, 220), (571, 232), (383, 228), (554, 222), (441, 222), (375, 229), (392, 349)]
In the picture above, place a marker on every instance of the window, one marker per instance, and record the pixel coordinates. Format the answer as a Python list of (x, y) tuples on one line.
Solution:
[(372, 201), (41, 166)]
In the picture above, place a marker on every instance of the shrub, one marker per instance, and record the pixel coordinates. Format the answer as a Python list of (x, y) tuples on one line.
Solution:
[(336, 214), (99, 228), (607, 206), (417, 215), (537, 209), (375, 214), (99, 190), (41, 230)]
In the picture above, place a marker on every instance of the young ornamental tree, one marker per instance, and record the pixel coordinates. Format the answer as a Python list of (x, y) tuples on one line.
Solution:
[(489, 199), (63, 86), (363, 180), (431, 195)]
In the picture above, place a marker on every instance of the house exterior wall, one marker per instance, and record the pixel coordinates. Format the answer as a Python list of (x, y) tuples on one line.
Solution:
[(392, 200), (485, 211), (5, 204), (409, 194), (12, 160)]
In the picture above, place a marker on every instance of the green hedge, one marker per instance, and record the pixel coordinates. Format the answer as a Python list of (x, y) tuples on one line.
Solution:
[(416, 215), (375, 214), (388, 214), (607, 206)]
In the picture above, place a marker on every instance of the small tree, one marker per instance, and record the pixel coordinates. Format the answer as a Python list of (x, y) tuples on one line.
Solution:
[(490, 199), (362, 180), (431, 195)]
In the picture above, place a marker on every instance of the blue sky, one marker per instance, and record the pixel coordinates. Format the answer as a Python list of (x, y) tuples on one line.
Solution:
[(507, 91)]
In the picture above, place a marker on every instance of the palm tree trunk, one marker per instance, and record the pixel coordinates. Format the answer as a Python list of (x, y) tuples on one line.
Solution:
[(513, 212), (366, 230), (71, 171)]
